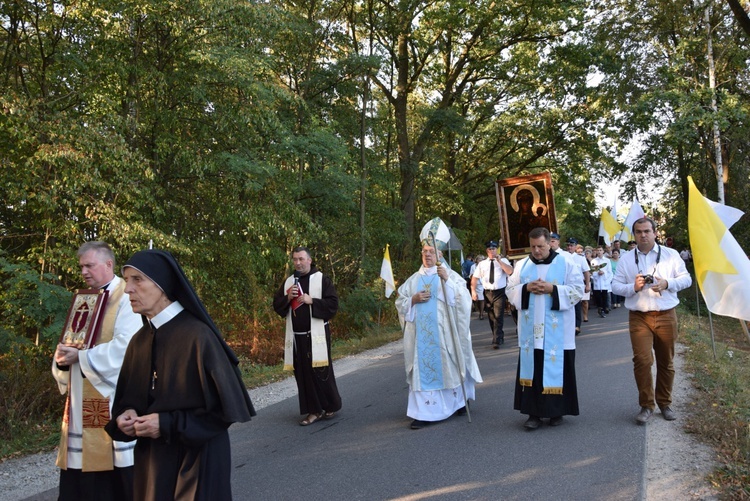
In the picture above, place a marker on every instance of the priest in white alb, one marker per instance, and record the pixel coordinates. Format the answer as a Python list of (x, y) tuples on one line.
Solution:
[(434, 307)]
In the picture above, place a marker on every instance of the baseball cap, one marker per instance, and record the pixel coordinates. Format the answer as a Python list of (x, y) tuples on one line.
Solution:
[(572, 241), (491, 243), (554, 235)]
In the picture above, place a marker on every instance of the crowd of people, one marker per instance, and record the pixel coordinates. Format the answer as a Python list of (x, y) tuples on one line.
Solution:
[(150, 400)]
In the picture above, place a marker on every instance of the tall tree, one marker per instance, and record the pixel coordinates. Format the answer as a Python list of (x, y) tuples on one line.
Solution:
[(445, 63)]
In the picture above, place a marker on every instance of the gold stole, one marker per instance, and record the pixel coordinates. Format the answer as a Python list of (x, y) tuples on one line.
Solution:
[(96, 443)]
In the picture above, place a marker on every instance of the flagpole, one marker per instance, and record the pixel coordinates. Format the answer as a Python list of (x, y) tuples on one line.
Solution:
[(454, 336), (503, 243), (697, 300), (743, 323), (711, 324)]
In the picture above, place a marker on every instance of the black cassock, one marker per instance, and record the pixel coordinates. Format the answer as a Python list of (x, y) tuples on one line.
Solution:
[(198, 393), (316, 386)]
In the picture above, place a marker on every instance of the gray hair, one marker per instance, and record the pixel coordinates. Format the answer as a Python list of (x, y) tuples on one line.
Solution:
[(102, 249)]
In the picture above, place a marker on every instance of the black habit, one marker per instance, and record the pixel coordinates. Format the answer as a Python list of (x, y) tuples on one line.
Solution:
[(531, 400), (316, 386), (197, 393)]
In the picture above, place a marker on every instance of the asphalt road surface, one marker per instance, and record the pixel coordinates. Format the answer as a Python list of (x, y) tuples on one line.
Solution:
[(369, 452)]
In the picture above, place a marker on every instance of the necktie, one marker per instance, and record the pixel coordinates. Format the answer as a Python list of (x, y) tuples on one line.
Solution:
[(492, 271)]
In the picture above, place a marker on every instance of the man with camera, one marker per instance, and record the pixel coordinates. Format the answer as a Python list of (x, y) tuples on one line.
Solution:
[(649, 277)]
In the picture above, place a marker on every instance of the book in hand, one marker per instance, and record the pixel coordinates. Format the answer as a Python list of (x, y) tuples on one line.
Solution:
[(84, 319), (297, 301)]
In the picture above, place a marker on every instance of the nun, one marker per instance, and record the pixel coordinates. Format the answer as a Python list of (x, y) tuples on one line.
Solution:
[(179, 389)]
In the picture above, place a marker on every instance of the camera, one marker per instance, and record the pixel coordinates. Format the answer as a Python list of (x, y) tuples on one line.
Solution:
[(648, 279)]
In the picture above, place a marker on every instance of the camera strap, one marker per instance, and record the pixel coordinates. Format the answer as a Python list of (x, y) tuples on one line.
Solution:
[(658, 258)]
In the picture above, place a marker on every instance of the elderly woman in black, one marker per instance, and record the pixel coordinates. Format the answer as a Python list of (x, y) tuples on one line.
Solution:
[(179, 388)]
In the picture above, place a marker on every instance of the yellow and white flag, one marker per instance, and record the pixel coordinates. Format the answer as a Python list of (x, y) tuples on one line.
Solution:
[(635, 213), (386, 273), (721, 266), (609, 227)]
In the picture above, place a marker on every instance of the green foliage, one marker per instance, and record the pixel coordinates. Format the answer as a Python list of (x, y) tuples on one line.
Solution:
[(656, 78), (30, 405), (32, 308), (360, 310)]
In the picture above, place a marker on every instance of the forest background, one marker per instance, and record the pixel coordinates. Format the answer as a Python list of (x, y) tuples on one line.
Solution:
[(228, 132)]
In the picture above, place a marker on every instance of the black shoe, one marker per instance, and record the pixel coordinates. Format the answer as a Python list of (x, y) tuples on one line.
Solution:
[(461, 411), (532, 423), (418, 425), (644, 415), (556, 421), (495, 346)]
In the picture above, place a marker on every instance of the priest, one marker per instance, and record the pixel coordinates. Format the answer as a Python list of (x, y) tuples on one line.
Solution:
[(434, 307), (545, 288)]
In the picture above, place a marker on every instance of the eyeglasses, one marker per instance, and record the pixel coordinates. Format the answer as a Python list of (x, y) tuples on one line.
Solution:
[(428, 252)]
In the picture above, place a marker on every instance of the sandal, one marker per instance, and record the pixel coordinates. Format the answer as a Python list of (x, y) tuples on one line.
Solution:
[(328, 415), (310, 419)]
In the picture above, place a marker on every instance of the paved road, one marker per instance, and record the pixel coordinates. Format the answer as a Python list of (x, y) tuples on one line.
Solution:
[(369, 452)]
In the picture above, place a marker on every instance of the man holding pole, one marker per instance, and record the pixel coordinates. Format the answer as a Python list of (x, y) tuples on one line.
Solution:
[(434, 307)]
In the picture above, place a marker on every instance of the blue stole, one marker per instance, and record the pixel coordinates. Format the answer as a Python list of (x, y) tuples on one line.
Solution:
[(429, 356), (551, 331)]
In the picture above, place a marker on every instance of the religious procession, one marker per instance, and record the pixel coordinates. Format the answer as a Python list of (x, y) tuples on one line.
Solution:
[(374, 250)]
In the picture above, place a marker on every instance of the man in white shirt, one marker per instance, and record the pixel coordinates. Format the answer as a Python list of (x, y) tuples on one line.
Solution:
[(601, 281), (582, 264), (649, 278), (493, 273)]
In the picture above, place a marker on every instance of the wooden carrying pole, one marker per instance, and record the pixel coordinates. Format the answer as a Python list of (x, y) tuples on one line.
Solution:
[(454, 334)]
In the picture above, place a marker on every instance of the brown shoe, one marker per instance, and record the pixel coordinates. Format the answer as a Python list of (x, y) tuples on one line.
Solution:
[(310, 419)]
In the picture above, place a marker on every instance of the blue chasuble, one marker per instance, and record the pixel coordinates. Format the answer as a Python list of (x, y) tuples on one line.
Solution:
[(551, 330), (429, 356)]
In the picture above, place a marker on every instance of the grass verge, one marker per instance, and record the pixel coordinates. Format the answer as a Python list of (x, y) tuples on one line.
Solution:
[(256, 375), (42, 437), (721, 413), (32, 433)]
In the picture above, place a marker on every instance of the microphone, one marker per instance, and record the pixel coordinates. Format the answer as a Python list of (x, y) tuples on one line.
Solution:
[(296, 277)]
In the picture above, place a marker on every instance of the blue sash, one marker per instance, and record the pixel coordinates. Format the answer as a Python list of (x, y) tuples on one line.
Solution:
[(429, 356), (551, 331)]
